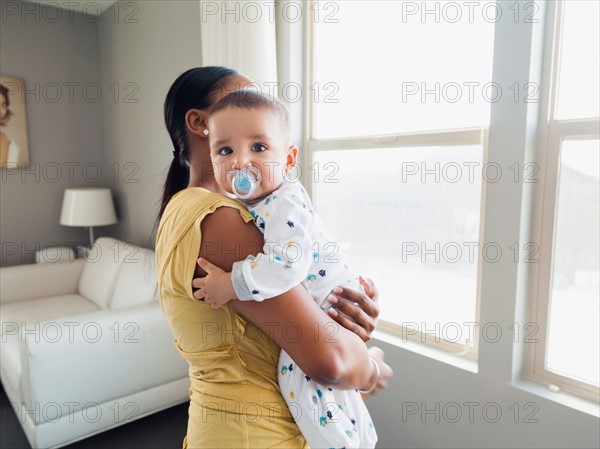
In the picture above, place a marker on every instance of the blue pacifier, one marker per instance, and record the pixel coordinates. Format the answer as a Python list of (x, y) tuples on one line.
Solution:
[(244, 182)]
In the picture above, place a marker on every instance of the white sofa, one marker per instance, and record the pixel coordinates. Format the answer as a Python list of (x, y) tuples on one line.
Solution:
[(85, 344)]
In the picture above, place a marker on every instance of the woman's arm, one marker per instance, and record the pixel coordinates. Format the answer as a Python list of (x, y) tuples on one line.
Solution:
[(327, 352)]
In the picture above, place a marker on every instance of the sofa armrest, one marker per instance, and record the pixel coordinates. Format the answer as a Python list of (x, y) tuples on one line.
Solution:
[(99, 356), (39, 280)]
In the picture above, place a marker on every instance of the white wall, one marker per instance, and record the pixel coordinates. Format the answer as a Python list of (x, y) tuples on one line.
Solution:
[(149, 49)]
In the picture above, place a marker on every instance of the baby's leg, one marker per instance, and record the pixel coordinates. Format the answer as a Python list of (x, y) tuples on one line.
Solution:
[(356, 410), (351, 402), (315, 409)]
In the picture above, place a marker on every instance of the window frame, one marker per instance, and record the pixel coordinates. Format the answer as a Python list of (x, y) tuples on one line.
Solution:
[(437, 137), (552, 134)]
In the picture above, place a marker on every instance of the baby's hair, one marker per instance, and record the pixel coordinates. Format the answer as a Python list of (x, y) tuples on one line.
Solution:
[(252, 99)]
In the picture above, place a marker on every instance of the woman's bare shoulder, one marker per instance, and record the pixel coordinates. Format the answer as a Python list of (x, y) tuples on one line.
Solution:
[(227, 237)]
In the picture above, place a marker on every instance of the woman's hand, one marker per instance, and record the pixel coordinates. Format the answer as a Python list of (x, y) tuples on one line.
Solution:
[(355, 310), (385, 372)]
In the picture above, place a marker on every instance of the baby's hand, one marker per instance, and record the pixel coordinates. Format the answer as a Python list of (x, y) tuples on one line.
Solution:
[(216, 287)]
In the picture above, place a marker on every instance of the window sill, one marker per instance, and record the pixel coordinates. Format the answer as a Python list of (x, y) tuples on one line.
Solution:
[(560, 397), (428, 351)]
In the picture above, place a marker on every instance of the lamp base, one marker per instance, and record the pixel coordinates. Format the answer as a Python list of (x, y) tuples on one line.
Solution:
[(82, 251)]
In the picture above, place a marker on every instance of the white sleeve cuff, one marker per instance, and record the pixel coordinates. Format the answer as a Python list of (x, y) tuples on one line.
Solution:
[(239, 283)]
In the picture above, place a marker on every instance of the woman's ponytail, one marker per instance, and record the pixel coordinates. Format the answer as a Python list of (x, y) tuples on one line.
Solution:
[(178, 179)]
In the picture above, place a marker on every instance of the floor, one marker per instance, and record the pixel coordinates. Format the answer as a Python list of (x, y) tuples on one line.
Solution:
[(162, 430)]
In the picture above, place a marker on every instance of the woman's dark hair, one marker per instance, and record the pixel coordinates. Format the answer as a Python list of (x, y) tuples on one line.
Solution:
[(5, 93), (193, 89)]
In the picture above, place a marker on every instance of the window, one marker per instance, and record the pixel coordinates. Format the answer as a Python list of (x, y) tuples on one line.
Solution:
[(407, 67), (567, 303), (397, 138)]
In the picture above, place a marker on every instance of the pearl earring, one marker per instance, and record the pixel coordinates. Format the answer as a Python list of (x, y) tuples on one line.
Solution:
[(205, 132)]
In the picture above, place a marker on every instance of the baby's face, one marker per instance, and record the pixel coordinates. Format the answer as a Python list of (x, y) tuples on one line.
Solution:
[(243, 137)]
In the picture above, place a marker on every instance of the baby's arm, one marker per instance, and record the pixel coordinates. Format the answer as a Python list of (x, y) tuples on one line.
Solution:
[(286, 256), (283, 264)]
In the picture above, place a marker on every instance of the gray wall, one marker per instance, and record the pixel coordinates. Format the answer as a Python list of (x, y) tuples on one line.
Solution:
[(155, 45), (432, 404), (61, 133), (133, 57)]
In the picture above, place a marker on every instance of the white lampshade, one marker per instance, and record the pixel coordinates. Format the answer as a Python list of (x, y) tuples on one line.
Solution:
[(88, 206)]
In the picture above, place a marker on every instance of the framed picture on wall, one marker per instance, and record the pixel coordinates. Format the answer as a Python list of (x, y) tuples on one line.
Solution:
[(14, 150)]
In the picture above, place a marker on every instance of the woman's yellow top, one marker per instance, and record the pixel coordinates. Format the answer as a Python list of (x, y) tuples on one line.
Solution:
[(234, 397)]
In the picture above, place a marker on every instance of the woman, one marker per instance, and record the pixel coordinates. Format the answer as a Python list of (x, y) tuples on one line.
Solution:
[(10, 153), (233, 351)]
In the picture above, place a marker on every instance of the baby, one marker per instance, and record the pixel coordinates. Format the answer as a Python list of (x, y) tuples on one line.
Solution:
[(250, 144)]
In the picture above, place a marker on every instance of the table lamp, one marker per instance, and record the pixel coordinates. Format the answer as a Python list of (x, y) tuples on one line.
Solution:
[(89, 207)]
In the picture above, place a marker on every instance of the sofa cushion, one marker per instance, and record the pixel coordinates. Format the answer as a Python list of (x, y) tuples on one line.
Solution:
[(136, 282), (36, 280), (33, 311), (30, 312), (101, 269)]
